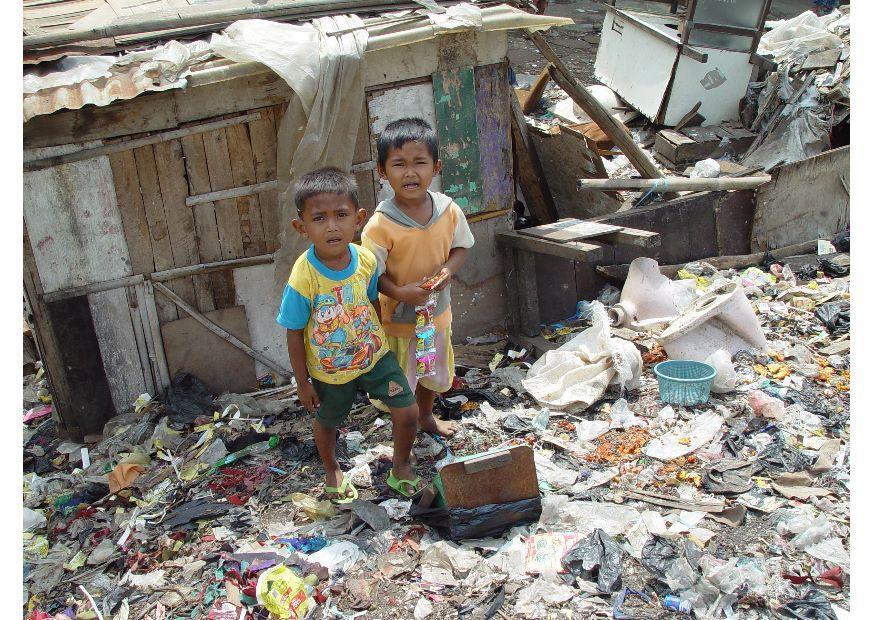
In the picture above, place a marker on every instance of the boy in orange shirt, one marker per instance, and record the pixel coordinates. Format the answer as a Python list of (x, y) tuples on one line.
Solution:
[(416, 235)]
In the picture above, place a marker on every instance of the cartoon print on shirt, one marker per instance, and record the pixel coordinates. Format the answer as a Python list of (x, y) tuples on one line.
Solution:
[(343, 333)]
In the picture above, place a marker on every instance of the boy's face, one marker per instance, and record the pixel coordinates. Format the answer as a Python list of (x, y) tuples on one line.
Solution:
[(330, 221), (410, 171)]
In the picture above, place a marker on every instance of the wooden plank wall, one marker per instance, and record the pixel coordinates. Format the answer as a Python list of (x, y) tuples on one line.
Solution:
[(493, 133), (152, 183)]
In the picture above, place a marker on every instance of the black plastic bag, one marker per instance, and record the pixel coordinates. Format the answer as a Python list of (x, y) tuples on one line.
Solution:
[(596, 558), (186, 399), (487, 521), (658, 554), (777, 456), (812, 606), (842, 241), (836, 316), (833, 268)]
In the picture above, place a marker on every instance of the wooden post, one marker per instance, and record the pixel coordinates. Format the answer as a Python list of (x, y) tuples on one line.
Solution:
[(218, 331), (531, 177), (674, 184)]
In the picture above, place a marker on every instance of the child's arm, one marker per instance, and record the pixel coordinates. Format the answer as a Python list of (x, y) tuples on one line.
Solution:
[(298, 357), (454, 262), (411, 294)]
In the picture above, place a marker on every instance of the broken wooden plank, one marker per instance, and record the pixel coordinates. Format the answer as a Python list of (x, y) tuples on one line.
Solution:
[(534, 94), (218, 331), (528, 171), (573, 250), (569, 229), (234, 192), (591, 106), (225, 265), (126, 145), (674, 184)]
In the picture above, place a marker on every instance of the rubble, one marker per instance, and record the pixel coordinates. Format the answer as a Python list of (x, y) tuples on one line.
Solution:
[(736, 506)]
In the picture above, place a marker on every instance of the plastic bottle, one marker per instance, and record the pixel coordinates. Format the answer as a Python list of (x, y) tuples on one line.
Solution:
[(256, 448), (542, 419), (676, 603)]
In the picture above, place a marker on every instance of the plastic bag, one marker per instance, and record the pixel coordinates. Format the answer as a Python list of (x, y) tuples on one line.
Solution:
[(337, 558), (33, 519), (726, 379), (706, 169), (313, 508), (186, 399), (812, 606), (622, 416), (836, 316), (597, 557), (282, 592), (487, 521), (584, 517), (658, 555), (609, 295), (765, 406)]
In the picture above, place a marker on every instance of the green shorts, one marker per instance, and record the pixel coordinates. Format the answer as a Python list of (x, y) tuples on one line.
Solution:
[(384, 381)]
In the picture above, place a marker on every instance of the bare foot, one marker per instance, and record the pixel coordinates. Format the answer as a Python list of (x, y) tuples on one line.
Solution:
[(444, 428), (334, 478)]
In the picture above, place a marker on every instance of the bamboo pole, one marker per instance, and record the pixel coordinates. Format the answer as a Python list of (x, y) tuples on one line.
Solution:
[(673, 184), (218, 331)]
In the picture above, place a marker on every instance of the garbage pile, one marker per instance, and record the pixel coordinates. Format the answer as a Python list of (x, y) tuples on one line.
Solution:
[(199, 507)]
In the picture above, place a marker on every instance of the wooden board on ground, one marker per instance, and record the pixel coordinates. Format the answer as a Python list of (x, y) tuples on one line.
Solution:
[(569, 229), (493, 477), (220, 365)]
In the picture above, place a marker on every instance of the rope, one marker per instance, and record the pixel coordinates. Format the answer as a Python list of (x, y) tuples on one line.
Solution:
[(655, 187)]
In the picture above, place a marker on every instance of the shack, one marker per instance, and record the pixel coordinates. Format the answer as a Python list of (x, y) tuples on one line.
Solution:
[(157, 155)]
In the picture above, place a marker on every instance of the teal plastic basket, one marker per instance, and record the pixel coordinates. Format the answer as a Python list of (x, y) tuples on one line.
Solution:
[(684, 382)]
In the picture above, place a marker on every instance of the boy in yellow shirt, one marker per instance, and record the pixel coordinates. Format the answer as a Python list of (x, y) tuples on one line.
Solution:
[(416, 235), (336, 343)]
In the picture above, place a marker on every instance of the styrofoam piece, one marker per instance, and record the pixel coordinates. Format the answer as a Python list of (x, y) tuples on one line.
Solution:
[(723, 319), (647, 294)]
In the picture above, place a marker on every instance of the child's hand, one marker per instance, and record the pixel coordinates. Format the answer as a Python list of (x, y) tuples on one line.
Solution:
[(413, 294), (308, 397), (446, 281)]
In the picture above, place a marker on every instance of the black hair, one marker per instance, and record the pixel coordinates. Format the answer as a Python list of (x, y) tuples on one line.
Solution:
[(328, 180), (400, 132)]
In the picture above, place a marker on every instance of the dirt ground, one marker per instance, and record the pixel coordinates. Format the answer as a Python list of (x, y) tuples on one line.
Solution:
[(577, 45)]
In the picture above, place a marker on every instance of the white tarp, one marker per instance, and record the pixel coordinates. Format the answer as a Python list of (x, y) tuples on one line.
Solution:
[(579, 372), (799, 36)]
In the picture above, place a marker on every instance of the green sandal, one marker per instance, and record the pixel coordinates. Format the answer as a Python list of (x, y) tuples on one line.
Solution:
[(398, 485), (341, 492)]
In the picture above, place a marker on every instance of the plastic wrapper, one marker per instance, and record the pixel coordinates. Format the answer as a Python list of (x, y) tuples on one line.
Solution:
[(282, 593), (726, 379), (488, 521), (314, 509), (33, 519), (584, 517), (596, 558), (186, 399), (836, 316), (766, 406)]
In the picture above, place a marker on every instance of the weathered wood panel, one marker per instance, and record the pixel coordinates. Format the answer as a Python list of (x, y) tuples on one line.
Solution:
[(456, 111), (254, 288), (206, 229), (180, 219), (493, 134), (385, 106), (111, 315), (153, 202), (243, 173), (132, 211), (805, 200), (75, 226), (227, 219), (263, 137)]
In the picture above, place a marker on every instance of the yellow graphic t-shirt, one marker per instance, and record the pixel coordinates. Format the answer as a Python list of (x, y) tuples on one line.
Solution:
[(342, 335)]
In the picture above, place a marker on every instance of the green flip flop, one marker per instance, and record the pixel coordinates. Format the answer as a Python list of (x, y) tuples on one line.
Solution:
[(341, 492), (399, 484)]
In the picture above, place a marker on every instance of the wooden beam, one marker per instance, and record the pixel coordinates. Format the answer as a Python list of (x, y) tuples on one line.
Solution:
[(95, 287), (234, 192), (620, 272), (126, 145), (573, 250), (218, 331), (536, 92), (674, 184), (614, 129), (182, 272), (528, 166)]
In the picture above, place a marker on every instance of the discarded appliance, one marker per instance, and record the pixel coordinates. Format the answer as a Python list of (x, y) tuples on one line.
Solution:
[(721, 319), (669, 67), (649, 297)]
